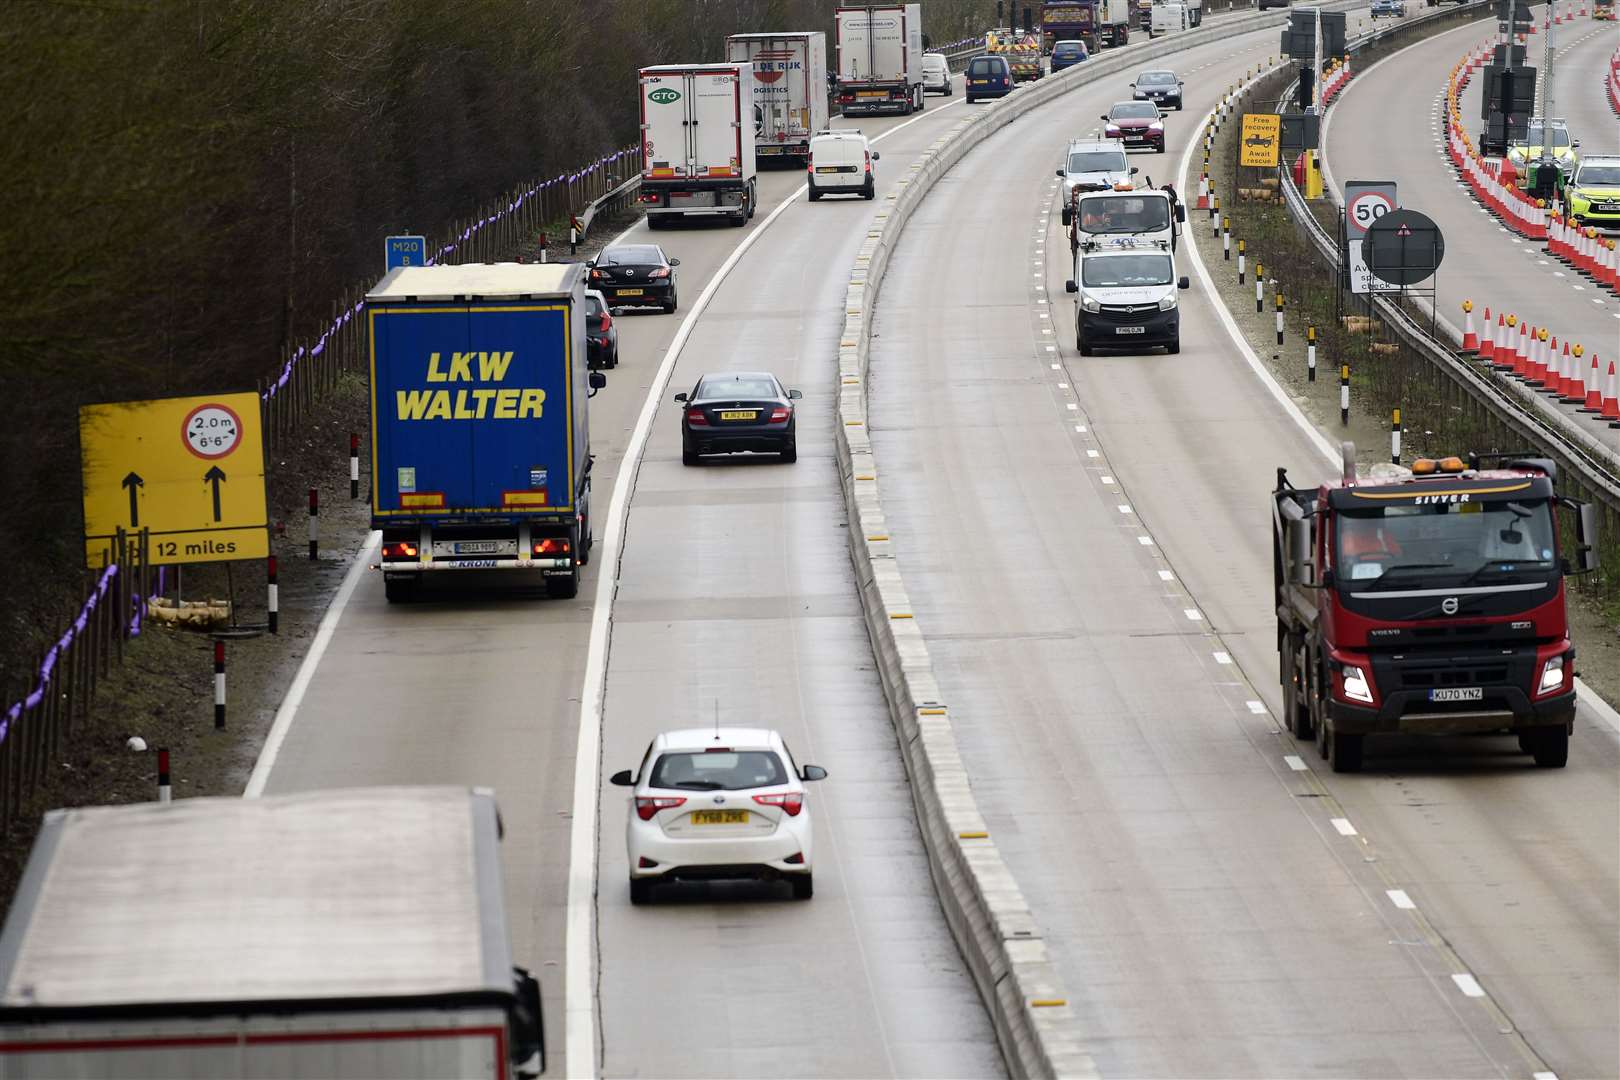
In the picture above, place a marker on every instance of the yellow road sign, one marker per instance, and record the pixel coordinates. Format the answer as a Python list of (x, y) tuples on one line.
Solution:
[(190, 470), (1259, 139)]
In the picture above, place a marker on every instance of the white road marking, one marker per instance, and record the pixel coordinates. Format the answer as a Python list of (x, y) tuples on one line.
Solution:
[(306, 670), (1062, 385), (1223, 658), (1296, 763), (1124, 509), (1108, 480), (1344, 826), (1468, 984), (1092, 453), (1073, 406), (1193, 614), (1145, 541), (1399, 898), (1165, 575), (1257, 707)]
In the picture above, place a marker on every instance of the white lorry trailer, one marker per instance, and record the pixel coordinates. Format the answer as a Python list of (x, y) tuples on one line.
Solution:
[(790, 91), (697, 142), (337, 934), (880, 50)]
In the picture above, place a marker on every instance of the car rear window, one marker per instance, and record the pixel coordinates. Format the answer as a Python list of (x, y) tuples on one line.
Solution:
[(987, 65), (718, 770), (729, 387), (1097, 161), (630, 255), (593, 306), (1065, 50)]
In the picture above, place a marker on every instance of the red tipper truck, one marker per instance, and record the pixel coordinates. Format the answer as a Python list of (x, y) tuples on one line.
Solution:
[(1428, 600)]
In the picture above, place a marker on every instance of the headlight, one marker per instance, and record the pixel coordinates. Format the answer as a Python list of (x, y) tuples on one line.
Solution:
[(1090, 303), (1355, 684), (1167, 303), (1552, 675)]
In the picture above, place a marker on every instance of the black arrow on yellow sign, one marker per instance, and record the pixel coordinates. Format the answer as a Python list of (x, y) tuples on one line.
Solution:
[(215, 476), (133, 481)]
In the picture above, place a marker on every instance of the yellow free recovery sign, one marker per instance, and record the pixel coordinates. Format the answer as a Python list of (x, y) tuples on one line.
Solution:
[(190, 470), (1259, 140)]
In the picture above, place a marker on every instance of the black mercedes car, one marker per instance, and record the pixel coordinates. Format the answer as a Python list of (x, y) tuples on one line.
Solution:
[(635, 275), (739, 410)]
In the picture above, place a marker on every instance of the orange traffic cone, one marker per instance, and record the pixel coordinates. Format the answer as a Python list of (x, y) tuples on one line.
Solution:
[(1487, 344), (1470, 342), (1594, 392), (1611, 397), (1574, 391)]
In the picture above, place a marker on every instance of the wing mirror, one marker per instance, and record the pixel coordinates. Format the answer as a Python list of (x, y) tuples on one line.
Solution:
[(1103, 118), (795, 395), (876, 155), (1071, 286), (812, 772), (674, 262), (1060, 172), (623, 778), (1184, 283), (597, 381), (1181, 213), (1134, 170)]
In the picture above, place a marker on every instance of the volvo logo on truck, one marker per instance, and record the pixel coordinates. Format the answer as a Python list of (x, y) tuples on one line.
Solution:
[(664, 96)]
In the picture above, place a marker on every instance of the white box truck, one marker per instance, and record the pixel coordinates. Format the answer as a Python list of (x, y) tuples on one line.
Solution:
[(338, 934), (1114, 21), (880, 52), (790, 91), (697, 142)]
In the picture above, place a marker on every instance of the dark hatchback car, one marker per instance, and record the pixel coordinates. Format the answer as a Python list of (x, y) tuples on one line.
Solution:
[(743, 410), (988, 77), (1066, 54), (601, 336), (1160, 87), (635, 275), (1136, 123)]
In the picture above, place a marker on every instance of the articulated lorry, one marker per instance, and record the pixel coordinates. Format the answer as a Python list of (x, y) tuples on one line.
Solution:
[(880, 50), (1427, 601), (698, 142), (790, 91), (341, 934), (480, 441), (1069, 20)]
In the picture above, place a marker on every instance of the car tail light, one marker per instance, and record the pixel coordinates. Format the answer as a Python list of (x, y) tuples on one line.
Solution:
[(645, 863), (779, 415), (399, 551), (696, 418), (551, 545), (596, 275), (869, 161), (648, 805), (797, 858), (791, 801), (662, 271)]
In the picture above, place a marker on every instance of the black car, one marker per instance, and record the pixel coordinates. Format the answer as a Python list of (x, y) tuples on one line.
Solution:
[(988, 77), (1160, 87), (601, 336), (635, 275), (741, 410)]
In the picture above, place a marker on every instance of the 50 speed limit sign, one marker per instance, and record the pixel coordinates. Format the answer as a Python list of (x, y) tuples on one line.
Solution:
[(1364, 203)]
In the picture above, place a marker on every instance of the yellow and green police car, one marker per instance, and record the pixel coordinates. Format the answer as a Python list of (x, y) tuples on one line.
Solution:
[(1592, 196)]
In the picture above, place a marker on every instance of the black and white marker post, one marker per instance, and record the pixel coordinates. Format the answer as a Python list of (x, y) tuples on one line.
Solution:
[(164, 794), (314, 524), (1344, 393), (354, 465), (272, 599), (219, 686), (1395, 438), (1310, 354)]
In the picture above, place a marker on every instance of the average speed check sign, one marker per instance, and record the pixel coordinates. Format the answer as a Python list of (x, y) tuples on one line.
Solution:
[(1365, 201)]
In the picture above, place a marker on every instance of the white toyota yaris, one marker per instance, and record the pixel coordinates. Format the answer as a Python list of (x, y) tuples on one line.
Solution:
[(713, 803)]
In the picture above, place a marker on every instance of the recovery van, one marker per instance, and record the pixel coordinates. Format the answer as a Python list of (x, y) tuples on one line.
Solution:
[(698, 142), (880, 50), (1124, 217), (480, 442), (790, 90), (1427, 600), (343, 934)]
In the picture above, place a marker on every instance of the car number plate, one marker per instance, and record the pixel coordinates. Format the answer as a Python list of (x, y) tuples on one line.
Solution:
[(980, 82), (1130, 329), (826, 168), (719, 817), (739, 414), (872, 94), (477, 547), (1458, 693), (628, 292)]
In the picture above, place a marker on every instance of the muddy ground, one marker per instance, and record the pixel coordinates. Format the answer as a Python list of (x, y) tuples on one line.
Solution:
[(163, 692)]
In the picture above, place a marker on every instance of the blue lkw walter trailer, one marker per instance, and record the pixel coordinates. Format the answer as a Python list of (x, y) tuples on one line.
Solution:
[(480, 446)]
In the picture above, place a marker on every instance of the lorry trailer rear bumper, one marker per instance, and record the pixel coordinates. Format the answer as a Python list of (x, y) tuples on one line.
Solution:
[(403, 566), (1407, 713)]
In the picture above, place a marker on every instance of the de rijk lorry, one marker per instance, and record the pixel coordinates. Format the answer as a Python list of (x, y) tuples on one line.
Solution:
[(790, 91), (342, 934), (697, 142), (1427, 601), (480, 445), (880, 50)]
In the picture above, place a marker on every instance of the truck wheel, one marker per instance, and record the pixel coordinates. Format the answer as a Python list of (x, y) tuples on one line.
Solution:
[(1296, 695), (753, 199), (1347, 752), (641, 890), (1550, 747), (586, 542), (399, 590), (654, 222), (922, 100)]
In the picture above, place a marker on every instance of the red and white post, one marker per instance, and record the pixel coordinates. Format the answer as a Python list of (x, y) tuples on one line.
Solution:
[(164, 791)]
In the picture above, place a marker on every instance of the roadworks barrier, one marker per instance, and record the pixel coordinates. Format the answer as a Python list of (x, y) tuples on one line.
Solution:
[(1037, 1027)]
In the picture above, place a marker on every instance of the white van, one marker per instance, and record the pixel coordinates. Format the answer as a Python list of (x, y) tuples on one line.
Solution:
[(936, 74), (1167, 18), (841, 163), (1125, 295)]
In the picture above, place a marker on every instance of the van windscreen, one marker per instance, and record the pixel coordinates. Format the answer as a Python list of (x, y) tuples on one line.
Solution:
[(1116, 215)]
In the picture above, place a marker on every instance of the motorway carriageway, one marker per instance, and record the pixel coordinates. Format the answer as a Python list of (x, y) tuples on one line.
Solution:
[(1086, 544), (1388, 124), (737, 593)]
